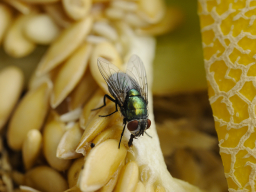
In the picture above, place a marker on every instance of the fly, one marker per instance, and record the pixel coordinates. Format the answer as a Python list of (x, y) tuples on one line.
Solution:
[(129, 92)]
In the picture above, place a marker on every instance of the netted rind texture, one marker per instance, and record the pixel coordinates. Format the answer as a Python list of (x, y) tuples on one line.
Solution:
[(228, 29)]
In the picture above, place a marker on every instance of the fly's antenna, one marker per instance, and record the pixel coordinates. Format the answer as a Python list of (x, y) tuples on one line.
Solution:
[(148, 135)]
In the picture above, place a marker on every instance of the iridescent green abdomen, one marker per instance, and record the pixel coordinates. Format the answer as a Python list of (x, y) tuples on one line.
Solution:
[(135, 107)]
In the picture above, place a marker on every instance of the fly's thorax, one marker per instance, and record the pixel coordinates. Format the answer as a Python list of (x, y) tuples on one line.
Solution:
[(135, 108)]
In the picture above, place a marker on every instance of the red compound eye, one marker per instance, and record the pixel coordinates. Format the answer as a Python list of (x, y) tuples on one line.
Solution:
[(149, 123), (132, 125)]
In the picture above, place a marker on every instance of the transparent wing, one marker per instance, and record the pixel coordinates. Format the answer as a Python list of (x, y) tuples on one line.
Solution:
[(136, 70), (118, 82)]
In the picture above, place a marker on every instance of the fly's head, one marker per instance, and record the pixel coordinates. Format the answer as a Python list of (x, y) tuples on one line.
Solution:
[(137, 127)]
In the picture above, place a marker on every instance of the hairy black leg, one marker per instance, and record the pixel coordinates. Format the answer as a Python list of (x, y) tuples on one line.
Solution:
[(110, 113), (124, 122), (104, 101), (130, 140)]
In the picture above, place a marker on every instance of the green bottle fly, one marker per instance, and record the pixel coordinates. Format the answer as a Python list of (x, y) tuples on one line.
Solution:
[(130, 92)]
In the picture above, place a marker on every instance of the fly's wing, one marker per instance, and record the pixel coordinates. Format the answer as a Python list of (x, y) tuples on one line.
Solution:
[(136, 70), (117, 81)]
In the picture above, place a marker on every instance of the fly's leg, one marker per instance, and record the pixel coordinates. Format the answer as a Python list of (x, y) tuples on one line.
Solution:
[(131, 140), (104, 101), (110, 113), (124, 122), (148, 134)]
